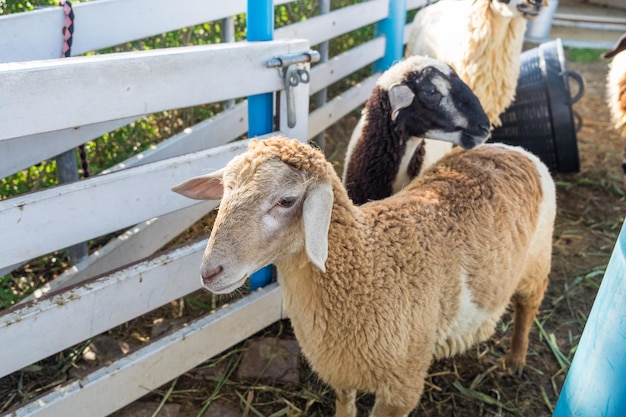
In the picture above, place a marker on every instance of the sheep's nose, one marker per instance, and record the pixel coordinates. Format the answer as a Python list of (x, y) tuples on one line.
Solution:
[(207, 276), (485, 129)]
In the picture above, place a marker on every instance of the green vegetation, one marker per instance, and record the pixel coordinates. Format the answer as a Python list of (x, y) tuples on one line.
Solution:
[(583, 55), (17, 6)]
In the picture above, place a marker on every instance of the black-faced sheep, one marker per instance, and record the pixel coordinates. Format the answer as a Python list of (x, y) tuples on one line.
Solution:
[(481, 39), (415, 99), (616, 88), (375, 292)]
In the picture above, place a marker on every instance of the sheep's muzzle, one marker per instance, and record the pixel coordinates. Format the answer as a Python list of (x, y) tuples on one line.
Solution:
[(530, 9)]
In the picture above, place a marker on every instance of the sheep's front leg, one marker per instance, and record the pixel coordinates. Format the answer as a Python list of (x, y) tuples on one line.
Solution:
[(345, 405)]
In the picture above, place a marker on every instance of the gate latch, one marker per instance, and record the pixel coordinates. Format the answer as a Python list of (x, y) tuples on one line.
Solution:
[(293, 75)]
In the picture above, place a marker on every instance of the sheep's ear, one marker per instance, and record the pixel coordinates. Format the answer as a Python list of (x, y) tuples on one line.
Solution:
[(619, 46), (316, 212), (400, 97), (204, 187)]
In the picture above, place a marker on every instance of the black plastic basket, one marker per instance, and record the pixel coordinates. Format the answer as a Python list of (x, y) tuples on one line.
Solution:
[(541, 118)]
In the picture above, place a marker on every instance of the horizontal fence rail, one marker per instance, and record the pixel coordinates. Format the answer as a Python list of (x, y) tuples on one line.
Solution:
[(103, 24), (336, 23), (146, 369), (116, 200), (96, 306), (42, 146), (340, 66), (337, 108), (138, 82)]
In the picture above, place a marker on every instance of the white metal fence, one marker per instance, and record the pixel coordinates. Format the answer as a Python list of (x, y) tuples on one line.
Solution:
[(50, 105)]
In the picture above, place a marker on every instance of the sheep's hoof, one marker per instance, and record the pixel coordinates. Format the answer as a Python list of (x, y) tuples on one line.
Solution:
[(515, 364)]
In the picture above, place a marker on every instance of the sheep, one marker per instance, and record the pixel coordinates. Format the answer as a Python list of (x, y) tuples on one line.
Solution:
[(416, 98), (616, 88), (481, 39), (376, 292)]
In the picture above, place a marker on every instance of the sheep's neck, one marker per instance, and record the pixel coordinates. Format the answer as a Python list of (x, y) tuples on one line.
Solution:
[(310, 295), (492, 62), (373, 169)]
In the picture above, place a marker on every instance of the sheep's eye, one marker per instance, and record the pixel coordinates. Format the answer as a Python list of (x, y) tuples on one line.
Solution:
[(430, 96), (429, 91), (286, 202)]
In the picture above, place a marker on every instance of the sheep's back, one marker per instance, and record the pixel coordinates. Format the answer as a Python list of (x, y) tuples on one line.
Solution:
[(470, 219)]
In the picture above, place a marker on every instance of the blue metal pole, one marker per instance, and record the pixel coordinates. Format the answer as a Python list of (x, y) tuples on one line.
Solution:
[(393, 29), (260, 27), (595, 385)]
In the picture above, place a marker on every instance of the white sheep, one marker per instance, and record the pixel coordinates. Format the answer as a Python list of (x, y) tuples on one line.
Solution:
[(481, 39), (375, 292), (416, 98), (616, 88)]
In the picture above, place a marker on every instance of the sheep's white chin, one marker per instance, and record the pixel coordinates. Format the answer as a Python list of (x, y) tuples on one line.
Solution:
[(220, 288), (452, 137), (528, 12)]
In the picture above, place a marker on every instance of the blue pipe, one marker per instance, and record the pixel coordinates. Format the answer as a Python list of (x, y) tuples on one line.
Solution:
[(595, 384), (393, 29), (260, 27)]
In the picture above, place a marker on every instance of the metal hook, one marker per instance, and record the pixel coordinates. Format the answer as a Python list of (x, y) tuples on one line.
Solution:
[(293, 75)]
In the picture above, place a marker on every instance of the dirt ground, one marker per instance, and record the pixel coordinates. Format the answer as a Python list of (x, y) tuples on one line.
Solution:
[(591, 208)]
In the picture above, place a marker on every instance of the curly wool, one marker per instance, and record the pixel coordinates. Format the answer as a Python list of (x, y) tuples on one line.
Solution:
[(313, 160)]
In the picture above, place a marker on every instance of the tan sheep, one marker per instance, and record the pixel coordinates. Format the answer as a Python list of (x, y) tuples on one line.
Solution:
[(375, 292), (481, 39), (616, 88)]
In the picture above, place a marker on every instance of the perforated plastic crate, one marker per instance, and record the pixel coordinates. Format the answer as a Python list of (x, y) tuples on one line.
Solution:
[(541, 118)]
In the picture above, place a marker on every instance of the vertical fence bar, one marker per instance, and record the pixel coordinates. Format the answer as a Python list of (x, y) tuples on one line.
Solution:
[(260, 27), (393, 29), (321, 96), (229, 36), (67, 167), (67, 171), (594, 385)]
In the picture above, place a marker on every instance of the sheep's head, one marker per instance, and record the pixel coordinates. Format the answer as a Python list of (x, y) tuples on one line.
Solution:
[(276, 200), (428, 99), (529, 9)]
